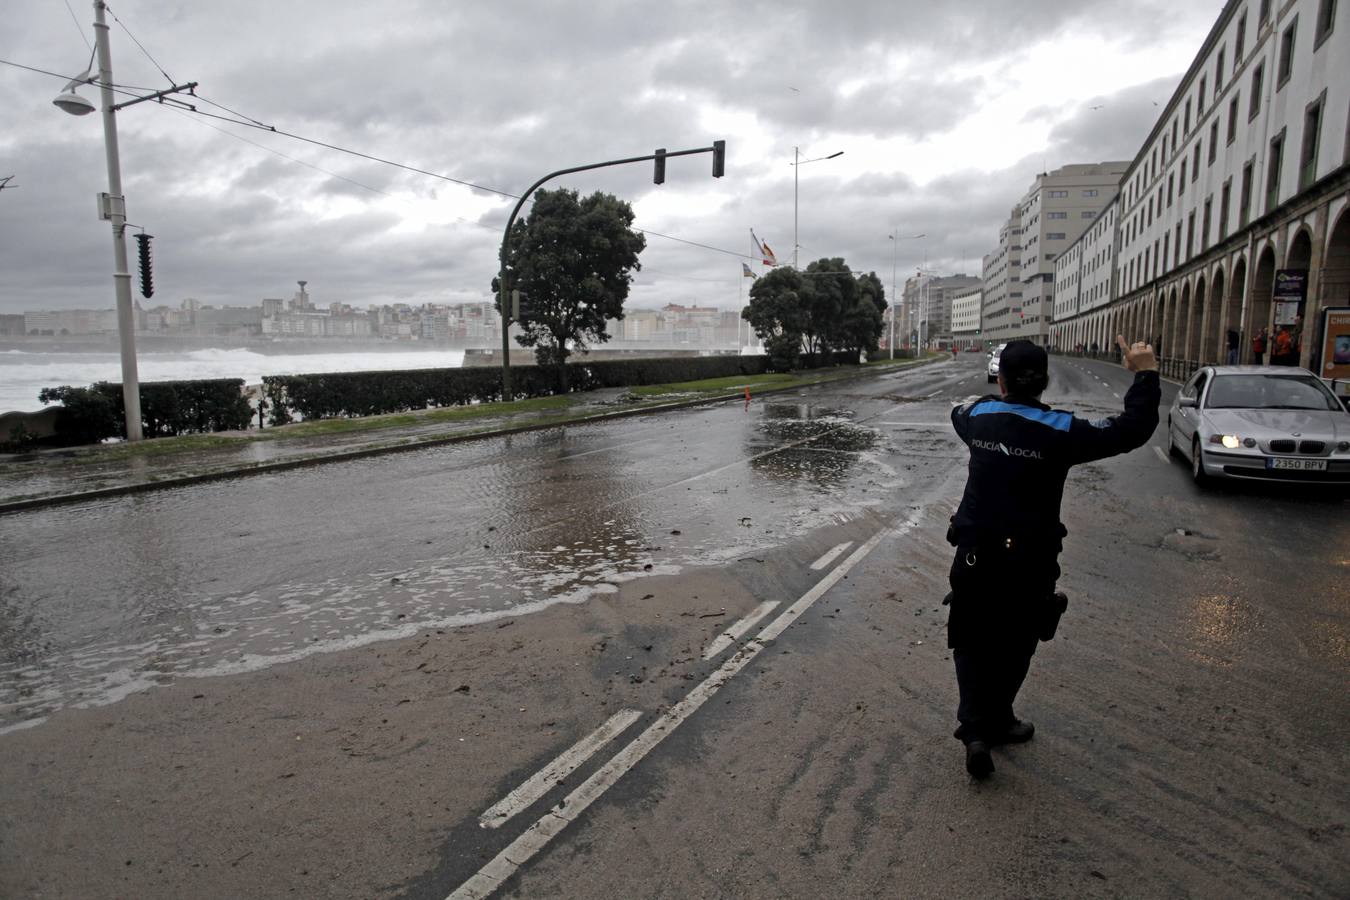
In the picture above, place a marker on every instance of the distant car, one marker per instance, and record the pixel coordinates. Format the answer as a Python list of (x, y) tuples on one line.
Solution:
[(993, 362), (1269, 423)]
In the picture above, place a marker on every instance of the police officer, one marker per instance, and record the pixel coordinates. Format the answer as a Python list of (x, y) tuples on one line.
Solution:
[(1008, 535)]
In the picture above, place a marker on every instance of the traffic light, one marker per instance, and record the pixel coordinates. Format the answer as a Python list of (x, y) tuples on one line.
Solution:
[(143, 253), (719, 158), (659, 176)]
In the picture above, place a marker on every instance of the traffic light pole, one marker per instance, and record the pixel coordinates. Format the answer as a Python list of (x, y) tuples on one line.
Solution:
[(718, 150)]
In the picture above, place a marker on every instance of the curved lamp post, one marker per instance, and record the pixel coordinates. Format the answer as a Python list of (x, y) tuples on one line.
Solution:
[(797, 163), (895, 301)]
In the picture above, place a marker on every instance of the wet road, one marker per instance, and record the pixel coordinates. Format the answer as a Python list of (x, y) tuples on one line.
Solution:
[(1191, 715), (219, 578)]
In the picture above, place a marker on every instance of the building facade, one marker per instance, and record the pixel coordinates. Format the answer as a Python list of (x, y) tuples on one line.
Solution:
[(1055, 211), (927, 300), (1243, 183), (966, 316), (1084, 273)]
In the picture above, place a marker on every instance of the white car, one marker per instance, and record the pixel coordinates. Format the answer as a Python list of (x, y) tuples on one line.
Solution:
[(1270, 423), (993, 362)]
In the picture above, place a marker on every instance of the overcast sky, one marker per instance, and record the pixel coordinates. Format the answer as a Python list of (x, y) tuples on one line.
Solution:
[(945, 113)]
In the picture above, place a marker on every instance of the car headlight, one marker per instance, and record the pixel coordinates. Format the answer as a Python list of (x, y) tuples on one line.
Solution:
[(1343, 446), (1231, 441)]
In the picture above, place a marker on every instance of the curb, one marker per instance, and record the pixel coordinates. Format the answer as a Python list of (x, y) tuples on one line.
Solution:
[(13, 506)]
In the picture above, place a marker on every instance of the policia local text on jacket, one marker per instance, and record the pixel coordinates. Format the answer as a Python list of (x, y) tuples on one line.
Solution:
[(1008, 535)]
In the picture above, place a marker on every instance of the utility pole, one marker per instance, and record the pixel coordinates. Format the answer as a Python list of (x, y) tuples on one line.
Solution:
[(116, 212), (112, 205), (895, 245)]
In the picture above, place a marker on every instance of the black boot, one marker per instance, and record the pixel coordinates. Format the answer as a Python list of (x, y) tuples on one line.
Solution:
[(1018, 732), (979, 763)]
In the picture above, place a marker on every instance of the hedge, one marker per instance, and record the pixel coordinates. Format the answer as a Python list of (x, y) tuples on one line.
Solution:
[(93, 414), (355, 394), (351, 394)]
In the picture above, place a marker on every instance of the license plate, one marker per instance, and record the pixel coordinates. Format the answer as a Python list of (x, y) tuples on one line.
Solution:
[(1304, 465)]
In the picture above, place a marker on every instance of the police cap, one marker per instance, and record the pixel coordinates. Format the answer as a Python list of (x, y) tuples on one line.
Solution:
[(1024, 367)]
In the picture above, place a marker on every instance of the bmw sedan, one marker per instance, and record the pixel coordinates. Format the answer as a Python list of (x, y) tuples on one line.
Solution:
[(1270, 423)]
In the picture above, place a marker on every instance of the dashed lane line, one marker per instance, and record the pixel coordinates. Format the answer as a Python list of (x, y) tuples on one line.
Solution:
[(537, 836), (566, 763), (1161, 454), (737, 631), (830, 556)]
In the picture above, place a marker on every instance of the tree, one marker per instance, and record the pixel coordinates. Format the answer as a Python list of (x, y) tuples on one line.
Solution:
[(831, 291), (777, 314), (571, 260), (823, 309), (863, 323)]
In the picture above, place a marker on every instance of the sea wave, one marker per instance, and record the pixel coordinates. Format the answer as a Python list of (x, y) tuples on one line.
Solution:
[(24, 374)]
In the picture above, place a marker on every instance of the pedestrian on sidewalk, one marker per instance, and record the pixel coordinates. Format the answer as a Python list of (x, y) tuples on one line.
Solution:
[(1008, 535), (1259, 346)]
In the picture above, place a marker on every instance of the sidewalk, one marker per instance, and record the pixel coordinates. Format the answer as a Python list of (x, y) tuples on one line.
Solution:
[(50, 477)]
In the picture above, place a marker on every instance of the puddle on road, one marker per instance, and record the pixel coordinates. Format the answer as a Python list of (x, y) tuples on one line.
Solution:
[(1221, 628), (829, 444), (196, 630)]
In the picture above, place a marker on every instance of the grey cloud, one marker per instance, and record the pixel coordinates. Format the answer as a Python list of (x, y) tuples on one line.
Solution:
[(1118, 128), (498, 94)]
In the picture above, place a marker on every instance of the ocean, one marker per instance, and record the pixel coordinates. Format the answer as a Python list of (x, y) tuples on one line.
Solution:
[(23, 373)]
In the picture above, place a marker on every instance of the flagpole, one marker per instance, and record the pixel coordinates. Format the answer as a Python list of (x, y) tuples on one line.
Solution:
[(740, 306)]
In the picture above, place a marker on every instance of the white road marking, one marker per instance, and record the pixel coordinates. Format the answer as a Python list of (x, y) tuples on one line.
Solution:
[(734, 633), (919, 424), (612, 448), (1114, 394), (543, 781), (830, 556), (536, 837), (1161, 455)]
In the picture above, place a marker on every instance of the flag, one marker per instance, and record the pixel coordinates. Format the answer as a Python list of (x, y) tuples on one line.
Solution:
[(764, 252), (745, 271)]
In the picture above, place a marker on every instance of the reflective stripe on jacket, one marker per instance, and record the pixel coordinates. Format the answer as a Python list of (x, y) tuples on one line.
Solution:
[(1020, 454)]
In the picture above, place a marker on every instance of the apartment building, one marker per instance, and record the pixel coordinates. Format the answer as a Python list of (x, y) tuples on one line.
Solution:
[(1050, 217), (927, 300), (1084, 273), (64, 322), (966, 316), (1243, 183), (1002, 276)]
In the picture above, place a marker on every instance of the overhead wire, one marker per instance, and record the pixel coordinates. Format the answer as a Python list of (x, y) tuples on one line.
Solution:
[(153, 61), (316, 168), (78, 27), (249, 122), (246, 121)]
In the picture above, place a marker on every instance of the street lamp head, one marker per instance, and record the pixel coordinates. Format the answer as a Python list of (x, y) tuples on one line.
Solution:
[(74, 104), (71, 102), (833, 155)]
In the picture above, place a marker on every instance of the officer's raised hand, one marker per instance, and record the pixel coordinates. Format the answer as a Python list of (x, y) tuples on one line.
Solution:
[(1137, 357)]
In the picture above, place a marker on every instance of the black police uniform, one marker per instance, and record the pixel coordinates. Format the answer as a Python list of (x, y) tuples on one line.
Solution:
[(1008, 537)]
